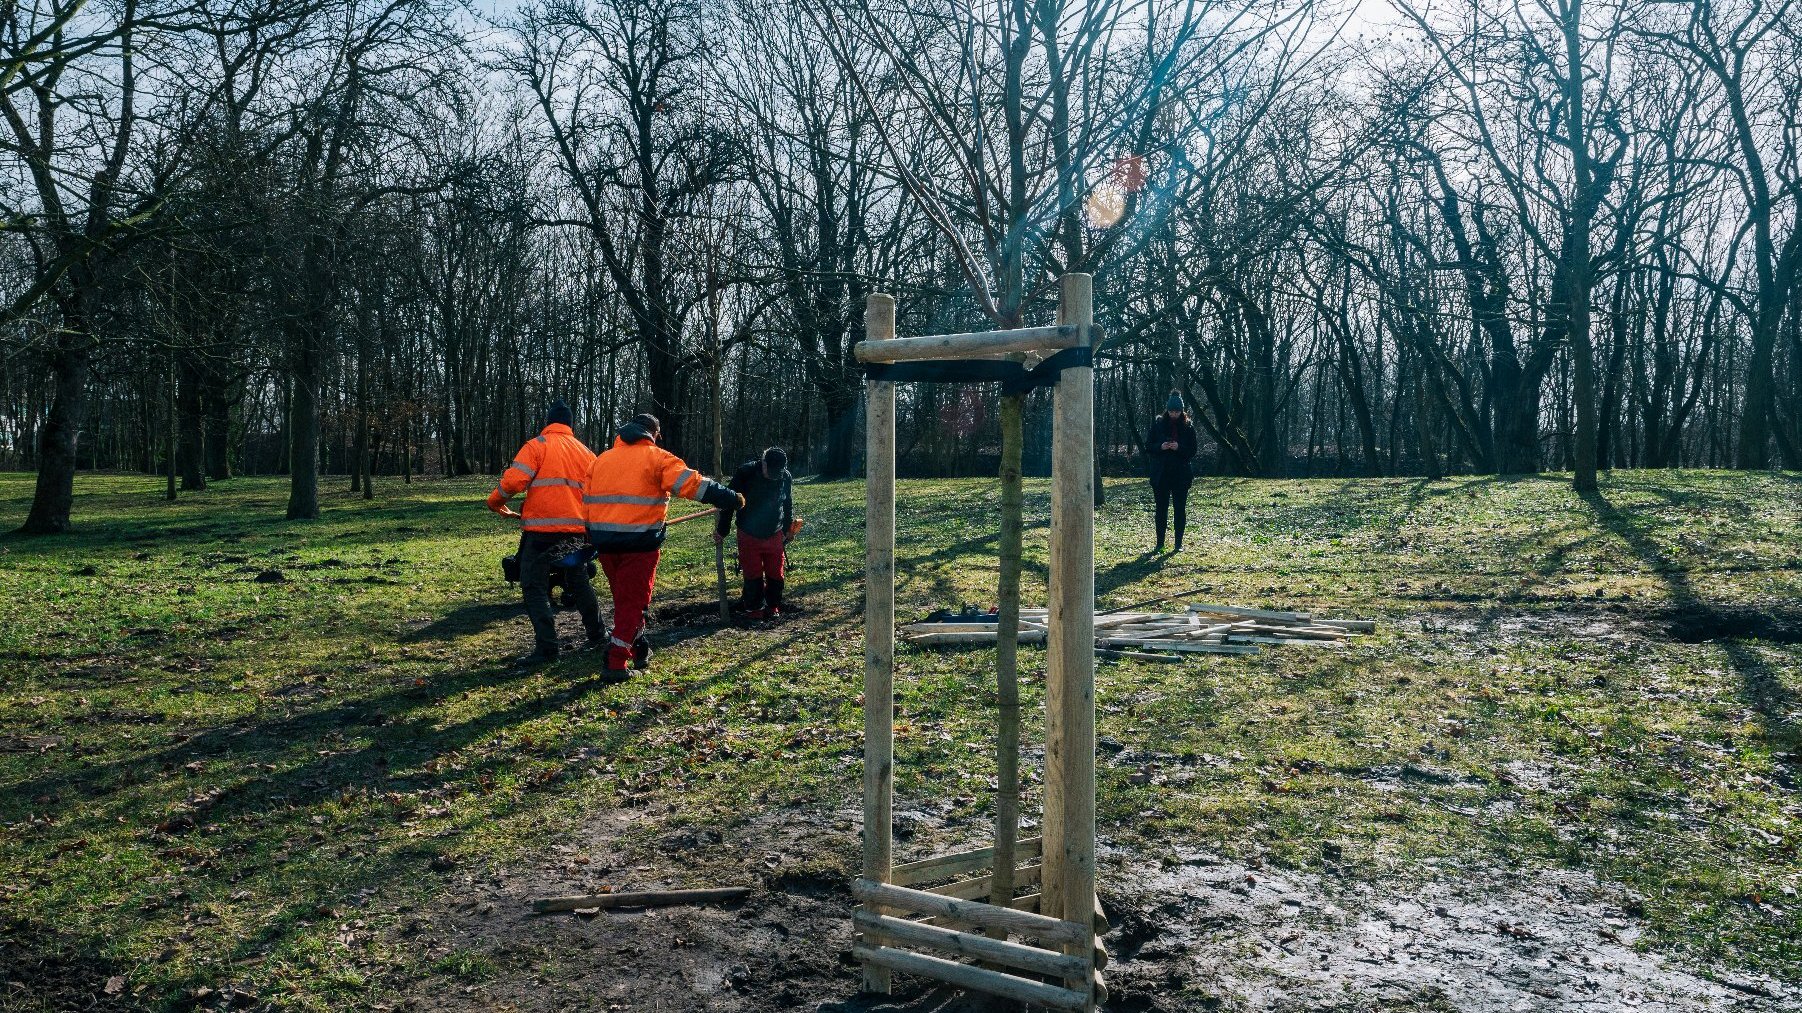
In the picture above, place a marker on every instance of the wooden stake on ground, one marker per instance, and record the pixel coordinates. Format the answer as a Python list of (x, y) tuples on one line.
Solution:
[(1007, 654), (1070, 746), (641, 898), (879, 623), (719, 568)]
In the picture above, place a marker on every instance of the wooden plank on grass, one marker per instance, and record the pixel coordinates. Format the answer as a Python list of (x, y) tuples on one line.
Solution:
[(640, 898)]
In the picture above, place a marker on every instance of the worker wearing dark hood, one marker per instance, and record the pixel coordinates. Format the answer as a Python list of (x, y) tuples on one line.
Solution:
[(765, 524), (550, 470)]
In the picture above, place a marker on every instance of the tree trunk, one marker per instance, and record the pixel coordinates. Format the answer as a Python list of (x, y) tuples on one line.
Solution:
[(1575, 253), (216, 420), (303, 426), (55, 492), (191, 438), (841, 435)]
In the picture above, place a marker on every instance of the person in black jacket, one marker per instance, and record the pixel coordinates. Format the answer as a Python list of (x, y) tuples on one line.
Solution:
[(1170, 446), (765, 524)]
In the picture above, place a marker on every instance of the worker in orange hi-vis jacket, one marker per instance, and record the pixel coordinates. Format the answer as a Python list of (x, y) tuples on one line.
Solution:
[(625, 503), (550, 470)]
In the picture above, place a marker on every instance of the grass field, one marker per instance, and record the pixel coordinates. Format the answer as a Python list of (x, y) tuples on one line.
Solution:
[(208, 779)]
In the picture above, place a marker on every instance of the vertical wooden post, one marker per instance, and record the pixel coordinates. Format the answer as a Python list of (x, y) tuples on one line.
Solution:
[(1070, 705), (1007, 652), (879, 621)]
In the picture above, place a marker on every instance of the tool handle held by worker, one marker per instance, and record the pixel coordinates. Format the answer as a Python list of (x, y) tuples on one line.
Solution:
[(710, 511)]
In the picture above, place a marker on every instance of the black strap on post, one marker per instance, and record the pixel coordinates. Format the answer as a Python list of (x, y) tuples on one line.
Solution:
[(1045, 374), (1013, 377)]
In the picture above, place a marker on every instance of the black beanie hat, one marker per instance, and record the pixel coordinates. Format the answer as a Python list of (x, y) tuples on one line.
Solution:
[(775, 458), (559, 412)]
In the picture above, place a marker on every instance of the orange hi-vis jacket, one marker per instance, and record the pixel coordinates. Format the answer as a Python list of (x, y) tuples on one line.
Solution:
[(550, 470), (626, 498)]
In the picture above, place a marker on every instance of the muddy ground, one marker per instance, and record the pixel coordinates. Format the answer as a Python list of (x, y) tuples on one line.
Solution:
[(1192, 933)]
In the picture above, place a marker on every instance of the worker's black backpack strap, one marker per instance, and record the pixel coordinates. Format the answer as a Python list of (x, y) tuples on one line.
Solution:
[(1013, 377)]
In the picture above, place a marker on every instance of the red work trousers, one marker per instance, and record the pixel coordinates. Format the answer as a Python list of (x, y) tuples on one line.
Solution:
[(762, 558), (630, 576)]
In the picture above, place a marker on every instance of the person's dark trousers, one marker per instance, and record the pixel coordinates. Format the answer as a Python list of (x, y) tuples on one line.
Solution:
[(1168, 492), (538, 556)]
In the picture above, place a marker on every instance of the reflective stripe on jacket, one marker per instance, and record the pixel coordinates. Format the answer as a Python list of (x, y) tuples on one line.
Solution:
[(550, 470), (626, 498)]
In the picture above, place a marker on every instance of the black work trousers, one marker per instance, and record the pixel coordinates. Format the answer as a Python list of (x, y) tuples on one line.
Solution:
[(1168, 491), (538, 555)]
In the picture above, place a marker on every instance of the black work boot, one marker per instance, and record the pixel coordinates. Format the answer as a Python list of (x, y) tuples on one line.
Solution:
[(752, 605), (597, 634), (773, 597), (641, 652), (539, 656)]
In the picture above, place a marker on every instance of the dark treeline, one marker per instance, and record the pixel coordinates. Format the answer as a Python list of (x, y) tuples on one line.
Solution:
[(372, 238)]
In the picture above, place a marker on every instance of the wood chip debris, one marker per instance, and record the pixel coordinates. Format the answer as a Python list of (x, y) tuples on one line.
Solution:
[(1158, 636)]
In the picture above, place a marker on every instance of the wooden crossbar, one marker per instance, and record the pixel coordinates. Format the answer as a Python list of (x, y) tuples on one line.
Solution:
[(957, 863), (979, 978), (978, 886), (982, 916), (975, 344), (970, 944), (1026, 902)]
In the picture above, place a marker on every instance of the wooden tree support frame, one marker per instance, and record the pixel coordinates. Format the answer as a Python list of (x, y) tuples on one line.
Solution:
[(1042, 947)]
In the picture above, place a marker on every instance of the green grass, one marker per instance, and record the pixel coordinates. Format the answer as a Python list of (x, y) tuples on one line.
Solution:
[(206, 779)]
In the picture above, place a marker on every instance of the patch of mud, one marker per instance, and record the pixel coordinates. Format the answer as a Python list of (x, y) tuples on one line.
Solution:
[(786, 947), (1201, 933), (1194, 933)]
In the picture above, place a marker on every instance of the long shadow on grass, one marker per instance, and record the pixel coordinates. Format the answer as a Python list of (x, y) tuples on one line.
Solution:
[(265, 811), (462, 622), (1127, 572), (1759, 685)]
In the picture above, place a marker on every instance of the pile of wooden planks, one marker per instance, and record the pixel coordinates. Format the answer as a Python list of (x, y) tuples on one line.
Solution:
[(1158, 636)]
